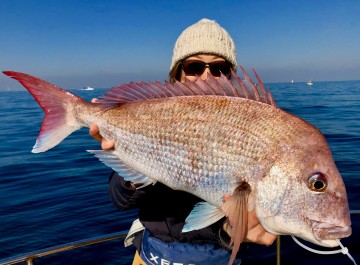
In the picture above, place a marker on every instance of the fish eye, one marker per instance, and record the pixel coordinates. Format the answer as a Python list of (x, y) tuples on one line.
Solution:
[(318, 182)]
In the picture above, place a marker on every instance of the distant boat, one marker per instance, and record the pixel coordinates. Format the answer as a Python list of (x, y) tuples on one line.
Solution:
[(88, 88), (309, 83), (292, 81)]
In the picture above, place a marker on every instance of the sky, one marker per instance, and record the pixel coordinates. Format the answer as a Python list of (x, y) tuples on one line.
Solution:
[(100, 43)]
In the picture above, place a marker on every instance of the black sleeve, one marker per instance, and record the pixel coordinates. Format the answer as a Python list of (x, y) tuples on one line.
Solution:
[(163, 212), (122, 195)]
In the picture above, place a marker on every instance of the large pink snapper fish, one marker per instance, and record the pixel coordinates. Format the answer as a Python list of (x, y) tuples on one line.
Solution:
[(212, 138)]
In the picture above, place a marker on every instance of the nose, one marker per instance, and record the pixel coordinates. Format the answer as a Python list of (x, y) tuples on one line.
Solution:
[(205, 73)]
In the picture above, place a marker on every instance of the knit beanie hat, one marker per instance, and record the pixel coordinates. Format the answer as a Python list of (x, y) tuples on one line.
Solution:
[(205, 36)]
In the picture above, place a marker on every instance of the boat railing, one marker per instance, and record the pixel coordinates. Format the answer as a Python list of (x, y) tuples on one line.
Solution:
[(29, 257)]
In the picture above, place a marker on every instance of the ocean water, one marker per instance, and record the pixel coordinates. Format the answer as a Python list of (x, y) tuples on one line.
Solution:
[(61, 195)]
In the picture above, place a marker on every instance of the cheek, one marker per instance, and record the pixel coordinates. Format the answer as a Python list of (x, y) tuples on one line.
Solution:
[(183, 77), (326, 207), (191, 78)]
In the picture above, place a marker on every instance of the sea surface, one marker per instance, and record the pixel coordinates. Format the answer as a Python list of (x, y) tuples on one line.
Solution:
[(61, 195)]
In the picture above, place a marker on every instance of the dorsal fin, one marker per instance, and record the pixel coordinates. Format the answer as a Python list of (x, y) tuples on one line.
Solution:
[(235, 87)]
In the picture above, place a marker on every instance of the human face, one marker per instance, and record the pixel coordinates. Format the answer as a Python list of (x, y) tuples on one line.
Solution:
[(208, 58)]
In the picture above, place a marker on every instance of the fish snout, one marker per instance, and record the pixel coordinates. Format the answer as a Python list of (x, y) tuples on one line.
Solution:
[(329, 232), (339, 232)]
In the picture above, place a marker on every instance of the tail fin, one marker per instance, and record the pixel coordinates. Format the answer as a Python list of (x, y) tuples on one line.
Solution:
[(57, 104)]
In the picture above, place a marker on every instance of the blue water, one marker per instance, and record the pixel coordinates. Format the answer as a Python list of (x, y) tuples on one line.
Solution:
[(61, 195)]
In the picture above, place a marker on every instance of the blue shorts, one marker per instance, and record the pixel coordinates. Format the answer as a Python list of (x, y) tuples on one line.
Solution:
[(156, 252)]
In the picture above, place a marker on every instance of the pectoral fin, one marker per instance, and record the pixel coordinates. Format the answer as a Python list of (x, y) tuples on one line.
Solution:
[(127, 172), (203, 215)]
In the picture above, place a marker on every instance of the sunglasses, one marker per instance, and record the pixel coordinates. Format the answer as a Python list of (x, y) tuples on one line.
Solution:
[(196, 67)]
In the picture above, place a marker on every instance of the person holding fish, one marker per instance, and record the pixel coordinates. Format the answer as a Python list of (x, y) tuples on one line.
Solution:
[(204, 47), (200, 154)]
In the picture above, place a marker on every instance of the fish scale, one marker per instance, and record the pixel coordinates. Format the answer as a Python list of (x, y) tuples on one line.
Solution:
[(228, 144)]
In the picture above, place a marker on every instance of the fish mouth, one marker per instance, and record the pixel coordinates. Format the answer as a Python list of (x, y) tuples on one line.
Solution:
[(323, 231)]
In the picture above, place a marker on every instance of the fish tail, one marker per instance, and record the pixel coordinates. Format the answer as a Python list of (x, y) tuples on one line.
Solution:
[(57, 104)]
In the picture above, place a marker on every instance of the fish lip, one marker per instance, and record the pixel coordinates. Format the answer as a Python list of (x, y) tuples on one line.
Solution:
[(323, 231)]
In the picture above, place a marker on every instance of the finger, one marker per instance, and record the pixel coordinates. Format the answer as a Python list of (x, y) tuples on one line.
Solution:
[(94, 132), (254, 234), (260, 236), (226, 197), (252, 220), (107, 144), (227, 227), (268, 239)]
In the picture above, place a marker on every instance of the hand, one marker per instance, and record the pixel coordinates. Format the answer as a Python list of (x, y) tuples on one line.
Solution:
[(256, 232), (106, 144)]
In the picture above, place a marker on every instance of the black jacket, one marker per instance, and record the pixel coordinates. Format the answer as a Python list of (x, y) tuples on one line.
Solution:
[(163, 211)]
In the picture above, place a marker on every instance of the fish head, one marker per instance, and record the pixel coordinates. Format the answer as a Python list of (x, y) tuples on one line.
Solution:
[(303, 194)]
